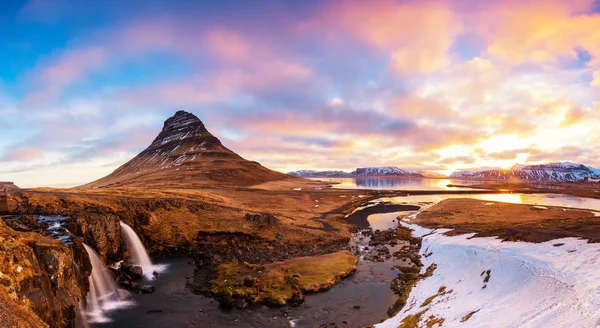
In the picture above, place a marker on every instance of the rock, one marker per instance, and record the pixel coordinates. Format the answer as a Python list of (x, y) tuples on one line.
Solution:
[(123, 279), (250, 281), (124, 294), (101, 231), (356, 307), (146, 288), (154, 311), (42, 284), (262, 218), (135, 271), (241, 303)]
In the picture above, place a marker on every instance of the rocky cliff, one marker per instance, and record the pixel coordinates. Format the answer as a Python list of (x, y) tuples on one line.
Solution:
[(41, 280)]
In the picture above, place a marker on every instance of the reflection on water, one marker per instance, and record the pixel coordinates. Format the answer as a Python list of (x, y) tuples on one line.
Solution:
[(384, 221), (506, 198), (534, 199), (396, 183)]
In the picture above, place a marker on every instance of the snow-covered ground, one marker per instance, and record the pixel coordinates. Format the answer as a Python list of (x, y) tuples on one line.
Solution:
[(551, 284)]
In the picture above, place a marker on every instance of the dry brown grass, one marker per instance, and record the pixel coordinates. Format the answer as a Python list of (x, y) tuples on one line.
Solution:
[(510, 221)]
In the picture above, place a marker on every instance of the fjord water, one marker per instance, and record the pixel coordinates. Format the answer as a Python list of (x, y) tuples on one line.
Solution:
[(397, 183), (516, 198), (104, 294), (138, 253)]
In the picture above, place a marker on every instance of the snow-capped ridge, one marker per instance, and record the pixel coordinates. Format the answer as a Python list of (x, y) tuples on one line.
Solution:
[(550, 172), (361, 171)]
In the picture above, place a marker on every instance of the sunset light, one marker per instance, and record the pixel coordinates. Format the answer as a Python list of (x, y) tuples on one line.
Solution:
[(307, 163), (432, 85)]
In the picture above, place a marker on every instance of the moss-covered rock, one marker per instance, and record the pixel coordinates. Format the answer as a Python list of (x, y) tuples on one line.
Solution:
[(280, 283)]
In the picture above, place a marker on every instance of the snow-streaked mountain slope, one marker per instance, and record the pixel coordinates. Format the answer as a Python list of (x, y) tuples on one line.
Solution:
[(361, 171), (551, 172), (186, 154)]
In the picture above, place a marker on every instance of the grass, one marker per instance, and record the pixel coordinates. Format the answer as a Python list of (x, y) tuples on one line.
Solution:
[(441, 292), (429, 271), (510, 222), (412, 320), (487, 275), (279, 282), (434, 321), (468, 316)]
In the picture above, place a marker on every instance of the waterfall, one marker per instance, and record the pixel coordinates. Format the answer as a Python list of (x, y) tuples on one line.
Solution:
[(138, 253), (104, 294)]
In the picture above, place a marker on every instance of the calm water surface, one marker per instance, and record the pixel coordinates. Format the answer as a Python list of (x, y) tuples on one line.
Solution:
[(534, 199), (394, 183)]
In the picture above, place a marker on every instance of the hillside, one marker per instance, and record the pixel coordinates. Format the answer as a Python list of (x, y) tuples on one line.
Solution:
[(186, 155)]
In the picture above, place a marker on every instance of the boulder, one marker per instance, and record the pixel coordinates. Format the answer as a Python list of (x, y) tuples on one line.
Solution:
[(135, 271), (261, 218), (146, 288)]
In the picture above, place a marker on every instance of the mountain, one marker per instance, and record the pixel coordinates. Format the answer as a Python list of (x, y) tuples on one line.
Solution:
[(361, 171), (8, 185), (551, 172), (186, 155)]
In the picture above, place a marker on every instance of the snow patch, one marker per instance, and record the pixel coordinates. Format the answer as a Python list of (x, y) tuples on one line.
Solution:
[(529, 285)]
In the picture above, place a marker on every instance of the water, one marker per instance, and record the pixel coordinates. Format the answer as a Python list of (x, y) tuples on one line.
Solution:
[(138, 253), (397, 183), (533, 199), (385, 221), (104, 294)]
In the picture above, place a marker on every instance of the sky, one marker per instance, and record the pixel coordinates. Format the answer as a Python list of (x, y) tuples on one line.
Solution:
[(433, 85)]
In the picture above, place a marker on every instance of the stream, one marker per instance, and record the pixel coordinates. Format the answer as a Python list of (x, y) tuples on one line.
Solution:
[(360, 300)]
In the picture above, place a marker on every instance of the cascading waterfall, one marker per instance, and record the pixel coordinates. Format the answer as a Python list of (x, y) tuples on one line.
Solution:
[(138, 253), (104, 294)]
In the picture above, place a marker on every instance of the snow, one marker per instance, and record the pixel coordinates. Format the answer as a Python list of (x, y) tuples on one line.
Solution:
[(555, 172), (530, 285), (361, 171)]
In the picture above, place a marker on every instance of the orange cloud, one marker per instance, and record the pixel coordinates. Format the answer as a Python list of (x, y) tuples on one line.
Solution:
[(539, 31), (596, 79), (417, 35)]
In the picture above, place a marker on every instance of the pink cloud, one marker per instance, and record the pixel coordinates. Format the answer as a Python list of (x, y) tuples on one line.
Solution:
[(227, 45), (23, 154), (417, 35), (64, 70)]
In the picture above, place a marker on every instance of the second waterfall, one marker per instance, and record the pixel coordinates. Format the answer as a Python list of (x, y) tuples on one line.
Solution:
[(138, 253)]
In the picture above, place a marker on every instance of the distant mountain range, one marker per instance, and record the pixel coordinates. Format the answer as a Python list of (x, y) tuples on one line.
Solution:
[(385, 171), (186, 155), (551, 172)]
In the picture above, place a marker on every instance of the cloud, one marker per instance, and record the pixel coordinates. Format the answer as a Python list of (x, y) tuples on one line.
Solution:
[(539, 31), (64, 70), (23, 154), (416, 35), (437, 84)]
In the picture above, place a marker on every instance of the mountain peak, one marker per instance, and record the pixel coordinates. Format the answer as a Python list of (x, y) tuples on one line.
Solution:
[(185, 154), (179, 127)]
